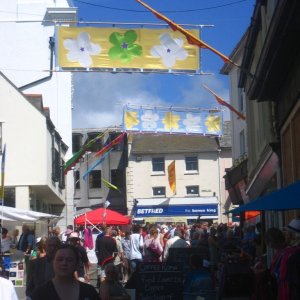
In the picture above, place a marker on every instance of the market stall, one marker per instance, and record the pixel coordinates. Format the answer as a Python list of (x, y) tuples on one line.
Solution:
[(102, 216), (13, 214), (12, 263)]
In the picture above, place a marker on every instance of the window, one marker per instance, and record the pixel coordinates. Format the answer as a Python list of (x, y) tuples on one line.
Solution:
[(95, 179), (192, 190), (117, 178), (77, 179), (76, 142), (112, 136), (9, 196), (241, 100), (158, 164), (61, 182), (55, 165), (242, 143), (97, 146), (159, 191), (191, 164)]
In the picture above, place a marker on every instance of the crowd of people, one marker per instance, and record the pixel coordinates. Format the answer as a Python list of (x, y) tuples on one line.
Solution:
[(59, 263), (218, 248)]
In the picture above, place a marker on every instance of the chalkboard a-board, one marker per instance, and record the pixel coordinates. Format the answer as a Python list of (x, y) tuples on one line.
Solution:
[(159, 281), (181, 256)]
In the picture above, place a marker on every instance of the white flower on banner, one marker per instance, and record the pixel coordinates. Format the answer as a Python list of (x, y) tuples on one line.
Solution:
[(170, 50), (192, 123), (81, 49), (149, 120)]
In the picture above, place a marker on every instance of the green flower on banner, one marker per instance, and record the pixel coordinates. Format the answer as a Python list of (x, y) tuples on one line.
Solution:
[(213, 123), (131, 119), (171, 121), (124, 48)]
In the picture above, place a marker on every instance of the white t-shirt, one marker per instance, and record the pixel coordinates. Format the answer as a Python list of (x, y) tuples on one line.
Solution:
[(7, 290), (136, 243)]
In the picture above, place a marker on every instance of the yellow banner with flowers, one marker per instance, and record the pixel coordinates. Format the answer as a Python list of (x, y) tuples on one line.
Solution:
[(123, 48)]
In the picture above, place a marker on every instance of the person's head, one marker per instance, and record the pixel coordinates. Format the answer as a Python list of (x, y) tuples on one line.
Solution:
[(135, 229), (111, 272), (74, 241), (25, 229), (114, 233), (229, 234), (294, 226), (107, 230), (65, 262), (178, 232), (70, 227), (4, 232), (275, 238), (56, 231), (42, 244), (213, 231), (153, 232), (127, 235), (52, 245)]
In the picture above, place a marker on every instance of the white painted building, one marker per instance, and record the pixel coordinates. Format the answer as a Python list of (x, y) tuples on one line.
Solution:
[(198, 164), (237, 175), (34, 152), (27, 32)]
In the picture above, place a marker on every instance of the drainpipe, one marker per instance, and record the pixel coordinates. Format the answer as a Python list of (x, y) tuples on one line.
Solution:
[(31, 84)]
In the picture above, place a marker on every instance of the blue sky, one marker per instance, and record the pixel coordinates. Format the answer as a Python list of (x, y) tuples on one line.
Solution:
[(99, 97)]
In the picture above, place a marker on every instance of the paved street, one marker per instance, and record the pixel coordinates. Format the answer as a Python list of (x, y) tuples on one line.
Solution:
[(21, 290)]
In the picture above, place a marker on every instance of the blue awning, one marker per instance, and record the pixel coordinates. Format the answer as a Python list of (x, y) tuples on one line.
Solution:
[(286, 198)]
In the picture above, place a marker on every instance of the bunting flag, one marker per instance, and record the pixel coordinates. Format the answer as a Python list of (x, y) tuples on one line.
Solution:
[(224, 103), (116, 141), (110, 185), (172, 176), (2, 174), (97, 163), (74, 159), (189, 36)]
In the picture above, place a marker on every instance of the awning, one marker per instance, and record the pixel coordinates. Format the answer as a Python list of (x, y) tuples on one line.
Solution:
[(21, 215), (102, 216), (286, 198)]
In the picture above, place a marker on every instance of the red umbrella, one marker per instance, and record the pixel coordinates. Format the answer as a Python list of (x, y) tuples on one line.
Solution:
[(97, 216)]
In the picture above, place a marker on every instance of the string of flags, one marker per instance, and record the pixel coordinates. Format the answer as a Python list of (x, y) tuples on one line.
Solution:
[(189, 36), (75, 158), (224, 103)]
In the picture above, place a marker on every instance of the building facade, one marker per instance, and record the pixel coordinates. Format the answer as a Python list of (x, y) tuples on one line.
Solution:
[(90, 190), (198, 163), (236, 177), (270, 81), (34, 154), (27, 59)]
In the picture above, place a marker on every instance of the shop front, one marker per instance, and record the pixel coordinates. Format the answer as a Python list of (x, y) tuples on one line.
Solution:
[(176, 210)]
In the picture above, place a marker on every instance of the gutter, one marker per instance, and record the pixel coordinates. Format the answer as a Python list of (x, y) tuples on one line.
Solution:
[(31, 84)]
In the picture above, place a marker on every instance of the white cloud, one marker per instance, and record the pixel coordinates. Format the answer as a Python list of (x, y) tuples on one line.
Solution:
[(99, 97)]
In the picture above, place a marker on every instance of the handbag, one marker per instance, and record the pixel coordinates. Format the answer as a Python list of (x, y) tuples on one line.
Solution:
[(154, 250)]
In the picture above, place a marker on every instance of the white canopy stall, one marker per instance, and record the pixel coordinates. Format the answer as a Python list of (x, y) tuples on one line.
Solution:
[(12, 217), (22, 215)]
